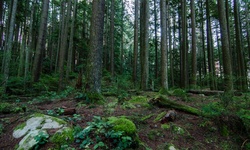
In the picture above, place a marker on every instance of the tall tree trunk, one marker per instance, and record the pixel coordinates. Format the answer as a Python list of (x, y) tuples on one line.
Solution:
[(204, 64), (29, 47), (70, 51), (64, 45), (228, 81), (94, 64), (241, 65), (156, 40), (112, 26), (194, 60), (164, 60), (228, 26), (1, 24), (210, 48), (184, 70), (122, 40), (37, 66), (135, 42), (248, 28), (144, 46), (172, 53), (9, 46)]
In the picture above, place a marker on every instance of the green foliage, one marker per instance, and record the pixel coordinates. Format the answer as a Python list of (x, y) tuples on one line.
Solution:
[(47, 83), (11, 108), (52, 95), (245, 116), (57, 112), (15, 86), (213, 109), (99, 134), (41, 139), (1, 128)]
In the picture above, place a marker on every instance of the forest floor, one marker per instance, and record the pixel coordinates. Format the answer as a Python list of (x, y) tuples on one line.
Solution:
[(198, 132)]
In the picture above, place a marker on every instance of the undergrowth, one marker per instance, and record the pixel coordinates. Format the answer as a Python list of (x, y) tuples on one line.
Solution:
[(99, 134)]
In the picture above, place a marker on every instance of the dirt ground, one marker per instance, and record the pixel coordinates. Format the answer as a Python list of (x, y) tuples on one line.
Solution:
[(200, 133)]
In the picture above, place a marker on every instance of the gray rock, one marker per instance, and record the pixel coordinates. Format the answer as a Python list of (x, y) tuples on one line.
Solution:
[(28, 142), (35, 124)]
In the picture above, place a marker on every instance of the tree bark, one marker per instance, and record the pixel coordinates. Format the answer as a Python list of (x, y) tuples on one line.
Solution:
[(184, 70), (156, 40), (94, 64), (64, 44), (210, 49), (1, 24), (135, 43), (70, 51), (194, 60), (241, 65), (228, 81), (164, 60), (144, 43), (112, 26), (29, 47), (9, 45), (37, 66)]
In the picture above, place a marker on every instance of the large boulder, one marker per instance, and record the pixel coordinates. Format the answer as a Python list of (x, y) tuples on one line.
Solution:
[(35, 125)]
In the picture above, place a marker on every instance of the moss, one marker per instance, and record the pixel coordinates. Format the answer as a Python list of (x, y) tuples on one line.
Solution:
[(146, 117), (123, 124), (161, 115), (140, 100), (165, 126), (178, 130), (20, 126), (63, 136), (60, 121)]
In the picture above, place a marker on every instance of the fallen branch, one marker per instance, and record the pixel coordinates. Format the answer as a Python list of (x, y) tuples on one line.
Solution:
[(162, 101)]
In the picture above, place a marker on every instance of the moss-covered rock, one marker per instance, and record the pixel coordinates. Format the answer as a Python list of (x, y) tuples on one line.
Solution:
[(123, 124), (40, 123)]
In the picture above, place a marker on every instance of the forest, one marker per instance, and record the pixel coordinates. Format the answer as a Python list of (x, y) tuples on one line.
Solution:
[(124, 74)]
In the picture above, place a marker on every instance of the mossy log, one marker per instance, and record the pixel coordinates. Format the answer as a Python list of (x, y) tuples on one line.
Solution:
[(212, 92), (162, 101)]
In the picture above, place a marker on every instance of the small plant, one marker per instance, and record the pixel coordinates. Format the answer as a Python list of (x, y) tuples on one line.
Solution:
[(41, 139), (1, 129), (60, 111)]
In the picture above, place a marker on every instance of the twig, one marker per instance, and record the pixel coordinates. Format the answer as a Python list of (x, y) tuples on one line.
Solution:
[(242, 146)]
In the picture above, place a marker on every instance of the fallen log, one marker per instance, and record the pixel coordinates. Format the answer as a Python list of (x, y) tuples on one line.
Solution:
[(162, 101), (212, 92)]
